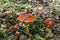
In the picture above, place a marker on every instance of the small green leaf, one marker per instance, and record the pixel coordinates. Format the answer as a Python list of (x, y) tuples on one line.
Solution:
[(1, 7), (39, 37), (1, 30)]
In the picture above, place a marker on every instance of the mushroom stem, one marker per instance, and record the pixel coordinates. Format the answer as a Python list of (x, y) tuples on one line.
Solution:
[(27, 29)]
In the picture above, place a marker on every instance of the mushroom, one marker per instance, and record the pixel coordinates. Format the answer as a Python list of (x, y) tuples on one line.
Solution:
[(26, 18), (16, 27)]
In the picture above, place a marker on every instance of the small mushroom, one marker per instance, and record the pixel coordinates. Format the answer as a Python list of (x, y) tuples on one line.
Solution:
[(18, 34), (27, 18), (50, 24), (16, 27)]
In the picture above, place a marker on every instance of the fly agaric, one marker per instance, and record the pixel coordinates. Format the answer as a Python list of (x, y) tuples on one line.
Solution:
[(49, 23), (16, 27), (27, 18), (17, 34)]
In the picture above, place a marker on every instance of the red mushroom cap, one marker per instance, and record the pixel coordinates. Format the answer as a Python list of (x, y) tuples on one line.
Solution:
[(26, 18), (50, 24), (16, 27)]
